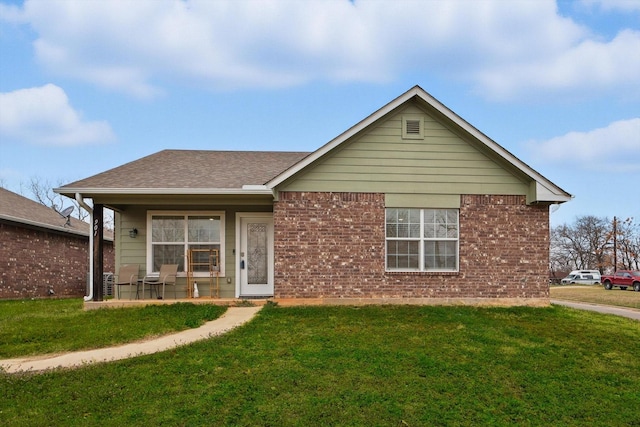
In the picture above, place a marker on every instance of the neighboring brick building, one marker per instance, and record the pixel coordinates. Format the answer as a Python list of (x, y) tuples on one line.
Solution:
[(40, 254), (412, 204)]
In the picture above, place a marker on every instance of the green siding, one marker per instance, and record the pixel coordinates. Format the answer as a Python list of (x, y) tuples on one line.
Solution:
[(134, 250), (393, 200), (131, 250), (380, 160)]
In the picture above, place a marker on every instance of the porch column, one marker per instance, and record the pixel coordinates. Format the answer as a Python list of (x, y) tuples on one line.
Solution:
[(98, 252)]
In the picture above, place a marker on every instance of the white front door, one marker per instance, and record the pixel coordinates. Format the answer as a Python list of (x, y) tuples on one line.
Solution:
[(254, 260)]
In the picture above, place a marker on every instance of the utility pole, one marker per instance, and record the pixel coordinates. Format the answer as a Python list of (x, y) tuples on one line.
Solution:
[(615, 244)]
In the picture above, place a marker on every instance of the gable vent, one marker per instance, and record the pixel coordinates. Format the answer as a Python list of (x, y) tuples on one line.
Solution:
[(412, 127)]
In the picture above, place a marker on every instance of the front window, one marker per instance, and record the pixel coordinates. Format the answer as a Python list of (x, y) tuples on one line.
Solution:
[(173, 234), (422, 239)]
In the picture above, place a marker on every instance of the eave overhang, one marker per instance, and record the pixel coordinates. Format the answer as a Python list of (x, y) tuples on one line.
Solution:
[(248, 190)]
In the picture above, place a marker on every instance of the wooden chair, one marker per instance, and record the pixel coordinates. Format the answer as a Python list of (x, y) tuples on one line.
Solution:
[(127, 275), (166, 276)]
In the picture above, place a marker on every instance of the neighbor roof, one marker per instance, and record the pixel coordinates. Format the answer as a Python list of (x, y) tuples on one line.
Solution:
[(21, 210), (184, 171)]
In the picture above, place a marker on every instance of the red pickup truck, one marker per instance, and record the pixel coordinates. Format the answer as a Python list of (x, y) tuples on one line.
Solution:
[(622, 279)]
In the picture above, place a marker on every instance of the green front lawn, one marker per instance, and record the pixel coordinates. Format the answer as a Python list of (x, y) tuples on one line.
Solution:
[(597, 294), (369, 366), (31, 327)]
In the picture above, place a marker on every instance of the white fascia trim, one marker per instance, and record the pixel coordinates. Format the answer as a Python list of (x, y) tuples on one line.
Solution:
[(253, 187), (544, 194), (169, 191), (551, 191), (341, 138), (46, 226)]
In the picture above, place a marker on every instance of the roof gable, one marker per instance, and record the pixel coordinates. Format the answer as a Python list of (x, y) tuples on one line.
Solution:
[(540, 188), (435, 160)]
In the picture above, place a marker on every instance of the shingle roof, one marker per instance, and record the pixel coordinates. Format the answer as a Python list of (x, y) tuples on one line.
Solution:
[(181, 169), (19, 209)]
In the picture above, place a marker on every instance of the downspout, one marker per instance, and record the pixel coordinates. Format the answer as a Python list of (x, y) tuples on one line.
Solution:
[(86, 207)]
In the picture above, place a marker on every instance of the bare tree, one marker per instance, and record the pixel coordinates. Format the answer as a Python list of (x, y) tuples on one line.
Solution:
[(592, 242), (596, 234), (560, 252), (628, 244), (582, 245), (42, 192)]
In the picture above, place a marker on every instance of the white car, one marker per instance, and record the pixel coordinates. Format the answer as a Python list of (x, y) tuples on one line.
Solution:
[(582, 277)]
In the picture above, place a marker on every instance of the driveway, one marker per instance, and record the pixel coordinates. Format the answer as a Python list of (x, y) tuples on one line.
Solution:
[(607, 309)]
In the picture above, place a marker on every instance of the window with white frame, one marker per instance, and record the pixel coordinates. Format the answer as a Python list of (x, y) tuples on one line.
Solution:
[(422, 239), (174, 233)]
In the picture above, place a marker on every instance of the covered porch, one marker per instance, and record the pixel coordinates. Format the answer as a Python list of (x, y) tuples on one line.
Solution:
[(170, 203)]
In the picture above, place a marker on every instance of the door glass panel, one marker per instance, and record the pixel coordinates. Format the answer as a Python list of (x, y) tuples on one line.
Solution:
[(257, 254)]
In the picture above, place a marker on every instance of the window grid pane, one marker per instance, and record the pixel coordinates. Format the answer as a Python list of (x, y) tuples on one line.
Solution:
[(167, 229), (403, 223), (201, 259), (435, 246), (172, 235), (168, 254), (440, 255), (204, 229), (403, 254)]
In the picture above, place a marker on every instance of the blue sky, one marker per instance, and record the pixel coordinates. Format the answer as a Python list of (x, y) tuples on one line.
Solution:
[(89, 85)]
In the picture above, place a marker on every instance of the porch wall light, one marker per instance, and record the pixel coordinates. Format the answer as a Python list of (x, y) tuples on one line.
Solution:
[(133, 233)]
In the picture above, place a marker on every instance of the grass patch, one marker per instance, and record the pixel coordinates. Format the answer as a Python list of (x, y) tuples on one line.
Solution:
[(597, 295), (373, 365), (30, 327)]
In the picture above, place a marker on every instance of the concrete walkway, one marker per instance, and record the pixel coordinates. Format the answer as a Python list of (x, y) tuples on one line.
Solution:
[(607, 309), (233, 317)]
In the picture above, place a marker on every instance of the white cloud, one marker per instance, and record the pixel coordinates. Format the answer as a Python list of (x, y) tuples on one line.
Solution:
[(588, 67), (615, 148), (610, 5), (506, 50), (11, 13), (43, 115)]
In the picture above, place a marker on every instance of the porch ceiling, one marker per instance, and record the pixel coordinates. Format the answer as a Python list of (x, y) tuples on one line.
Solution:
[(121, 202)]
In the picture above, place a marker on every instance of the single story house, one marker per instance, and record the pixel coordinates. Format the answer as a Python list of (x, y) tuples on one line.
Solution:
[(42, 253), (410, 205)]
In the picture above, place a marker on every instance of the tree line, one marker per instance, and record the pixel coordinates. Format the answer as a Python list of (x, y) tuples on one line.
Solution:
[(595, 243)]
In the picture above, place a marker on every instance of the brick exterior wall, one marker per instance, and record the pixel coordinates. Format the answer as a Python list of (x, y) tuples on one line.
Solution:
[(332, 245), (32, 261)]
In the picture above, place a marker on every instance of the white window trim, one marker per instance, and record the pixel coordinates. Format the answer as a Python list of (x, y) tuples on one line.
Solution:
[(421, 240), (149, 251)]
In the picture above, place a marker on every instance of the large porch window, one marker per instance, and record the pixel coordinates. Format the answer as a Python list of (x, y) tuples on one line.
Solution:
[(172, 234), (422, 239)]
